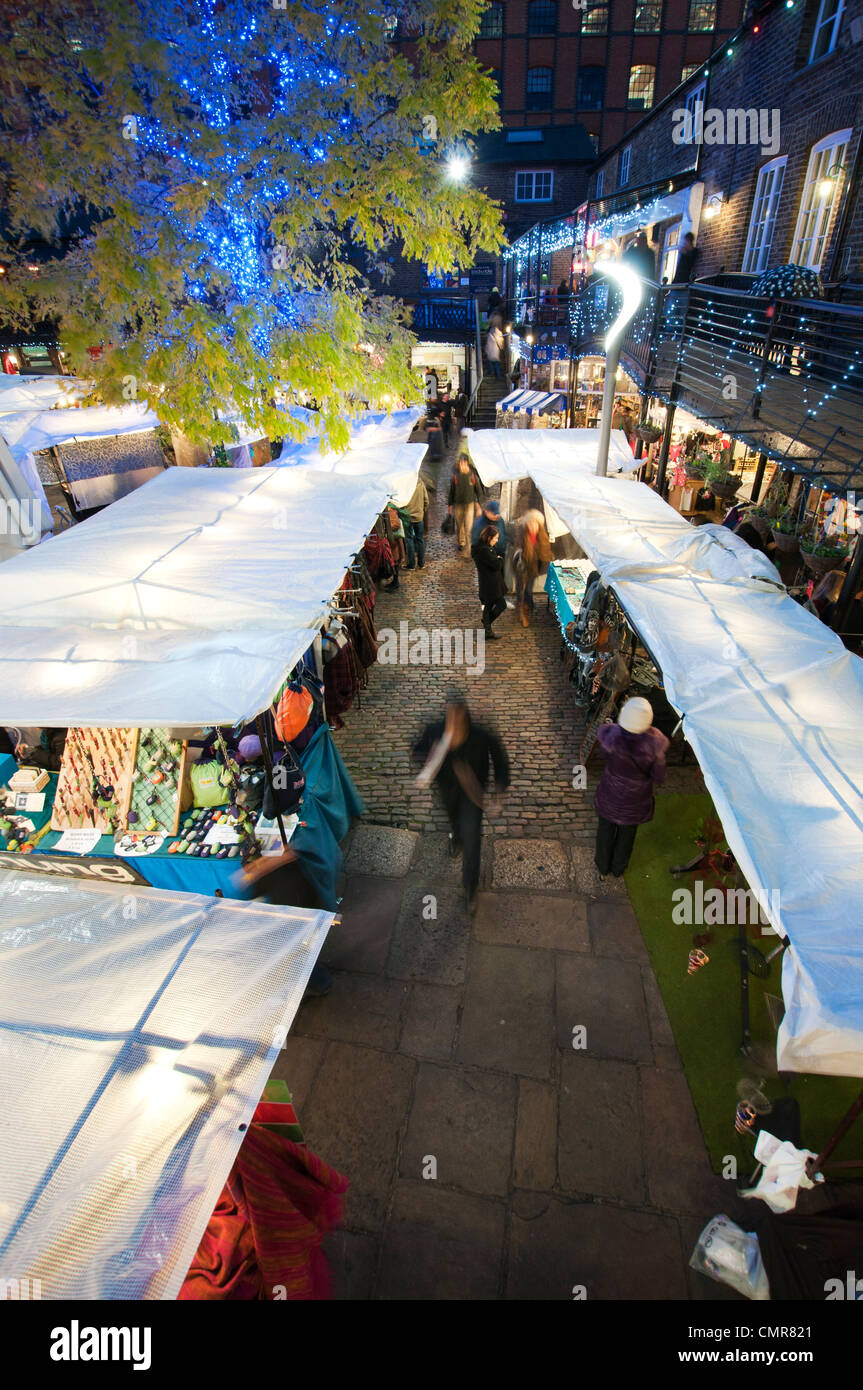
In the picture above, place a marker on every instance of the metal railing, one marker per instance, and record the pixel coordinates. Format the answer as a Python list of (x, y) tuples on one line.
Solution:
[(443, 315), (480, 372), (785, 376)]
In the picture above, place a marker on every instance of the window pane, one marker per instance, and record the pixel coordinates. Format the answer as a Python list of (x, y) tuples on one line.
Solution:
[(647, 18), (687, 72), (826, 28), (491, 24), (641, 79), (763, 220), (823, 186), (594, 20), (538, 89), (624, 165), (591, 84), (542, 17), (702, 16)]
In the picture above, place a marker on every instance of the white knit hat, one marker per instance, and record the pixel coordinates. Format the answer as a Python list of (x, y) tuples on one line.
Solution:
[(636, 715)]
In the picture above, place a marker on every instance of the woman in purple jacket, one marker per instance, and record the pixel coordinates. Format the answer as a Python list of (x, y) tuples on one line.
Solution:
[(624, 797)]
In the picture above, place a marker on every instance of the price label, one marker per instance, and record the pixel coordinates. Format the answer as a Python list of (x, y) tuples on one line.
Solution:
[(26, 801)]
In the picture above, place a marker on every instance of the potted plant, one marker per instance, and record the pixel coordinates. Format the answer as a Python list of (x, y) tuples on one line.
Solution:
[(649, 432), (785, 530), (722, 482), (696, 469), (761, 519), (822, 554)]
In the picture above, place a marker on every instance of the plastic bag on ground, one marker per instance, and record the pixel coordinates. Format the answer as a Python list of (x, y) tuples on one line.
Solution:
[(731, 1256)]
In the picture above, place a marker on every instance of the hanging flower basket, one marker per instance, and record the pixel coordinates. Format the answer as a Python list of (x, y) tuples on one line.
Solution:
[(819, 565), (727, 491), (648, 434), (786, 541)]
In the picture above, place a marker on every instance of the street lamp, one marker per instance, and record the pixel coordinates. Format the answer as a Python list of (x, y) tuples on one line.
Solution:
[(457, 168), (632, 287)]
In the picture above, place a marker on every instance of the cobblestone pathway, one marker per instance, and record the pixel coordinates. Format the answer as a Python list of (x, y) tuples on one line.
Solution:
[(489, 1157)]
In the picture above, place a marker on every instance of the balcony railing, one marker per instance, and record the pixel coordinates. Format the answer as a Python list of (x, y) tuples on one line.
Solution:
[(786, 376), (439, 315)]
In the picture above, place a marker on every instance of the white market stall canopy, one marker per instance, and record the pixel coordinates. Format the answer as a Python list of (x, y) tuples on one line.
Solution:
[(505, 456), (186, 602), (773, 707), (136, 1041), (32, 392), (533, 402)]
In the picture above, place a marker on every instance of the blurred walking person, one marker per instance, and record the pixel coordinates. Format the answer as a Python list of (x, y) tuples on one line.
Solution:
[(458, 753), (493, 348), (489, 571), (465, 499), (531, 558), (415, 541)]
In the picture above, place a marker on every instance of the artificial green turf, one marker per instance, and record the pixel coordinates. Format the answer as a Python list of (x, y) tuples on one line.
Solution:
[(704, 1008)]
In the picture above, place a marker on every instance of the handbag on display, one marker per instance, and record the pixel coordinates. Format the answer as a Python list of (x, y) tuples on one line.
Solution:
[(286, 792), (250, 787), (293, 711), (209, 785)]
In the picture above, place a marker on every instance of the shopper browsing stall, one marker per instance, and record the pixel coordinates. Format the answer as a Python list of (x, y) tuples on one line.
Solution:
[(635, 766)]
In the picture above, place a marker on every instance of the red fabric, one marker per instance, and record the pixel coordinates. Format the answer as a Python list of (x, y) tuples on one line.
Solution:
[(263, 1239)]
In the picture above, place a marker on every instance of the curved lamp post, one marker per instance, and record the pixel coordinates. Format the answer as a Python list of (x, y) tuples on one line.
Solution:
[(632, 286)]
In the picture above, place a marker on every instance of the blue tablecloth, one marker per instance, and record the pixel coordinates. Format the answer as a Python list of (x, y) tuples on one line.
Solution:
[(330, 803), (565, 587)]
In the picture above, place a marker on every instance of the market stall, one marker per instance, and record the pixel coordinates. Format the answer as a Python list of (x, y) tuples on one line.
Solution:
[(154, 1021), (771, 702), (199, 600)]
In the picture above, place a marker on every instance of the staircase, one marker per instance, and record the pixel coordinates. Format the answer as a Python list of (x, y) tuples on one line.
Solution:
[(491, 390)]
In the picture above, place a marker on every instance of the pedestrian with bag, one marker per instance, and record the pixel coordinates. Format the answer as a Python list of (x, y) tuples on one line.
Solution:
[(635, 767), (493, 348), (531, 558), (489, 570), (465, 499), (458, 753)]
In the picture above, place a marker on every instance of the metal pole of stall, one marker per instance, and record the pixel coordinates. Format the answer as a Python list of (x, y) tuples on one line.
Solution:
[(662, 461), (853, 584), (612, 362), (263, 735), (759, 477)]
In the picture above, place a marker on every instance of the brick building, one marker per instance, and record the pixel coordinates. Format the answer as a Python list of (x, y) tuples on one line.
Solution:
[(778, 158)]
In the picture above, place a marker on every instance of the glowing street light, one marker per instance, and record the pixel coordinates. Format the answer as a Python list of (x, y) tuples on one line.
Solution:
[(632, 287), (457, 168)]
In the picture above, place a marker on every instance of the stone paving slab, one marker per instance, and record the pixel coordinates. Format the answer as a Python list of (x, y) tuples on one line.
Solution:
[(535, 1163), (430, 1020), (354, 1118), (297, 1064), (465, 1119), (556, 1249), (614, 930), (508, 1018), (606, 997), (352, 1257), (431, 949), (678, 1170), (601, 1145), (361, 1008), (380, 849), (369, 913), (587, 876), (549, 923), (441, 1245), (536, 864)]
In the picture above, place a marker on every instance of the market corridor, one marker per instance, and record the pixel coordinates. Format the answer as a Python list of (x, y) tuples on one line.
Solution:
[(488, 1156)]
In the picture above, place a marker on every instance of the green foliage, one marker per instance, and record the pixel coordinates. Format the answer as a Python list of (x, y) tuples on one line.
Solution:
[(126, 219)]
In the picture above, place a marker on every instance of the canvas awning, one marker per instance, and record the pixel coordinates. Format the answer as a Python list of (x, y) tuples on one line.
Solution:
[(772, 705), (137, 1034), (186, 602)]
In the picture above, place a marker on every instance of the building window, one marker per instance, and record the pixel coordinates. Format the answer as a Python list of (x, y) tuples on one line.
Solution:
[(648, 18), (762, 223), (623, 174), (542, 17), (538, 89), (600, 180), (491, 24), (594, 19), (591, 86), (670, 252), (534, 186), (594, 140), (826, 28), (686, 73), (824, 178), (692, 127), (702, 16), (391, 27), (641, 79)]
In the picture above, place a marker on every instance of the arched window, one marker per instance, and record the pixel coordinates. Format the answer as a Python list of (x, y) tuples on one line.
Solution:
[(594, 19), (542, 17), (642, 77), (591, 88), (491, 24), (648, 17), (538, 96)]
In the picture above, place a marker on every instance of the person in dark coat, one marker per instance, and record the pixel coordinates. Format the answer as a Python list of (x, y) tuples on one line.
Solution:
[(489, 569), (686, 258), (490, 516), (640, 256), (635, 766), (458, 753), (495, 301)]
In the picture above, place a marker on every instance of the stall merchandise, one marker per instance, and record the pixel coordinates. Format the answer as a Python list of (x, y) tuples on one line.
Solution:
[(160, 783), (95, 782)]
